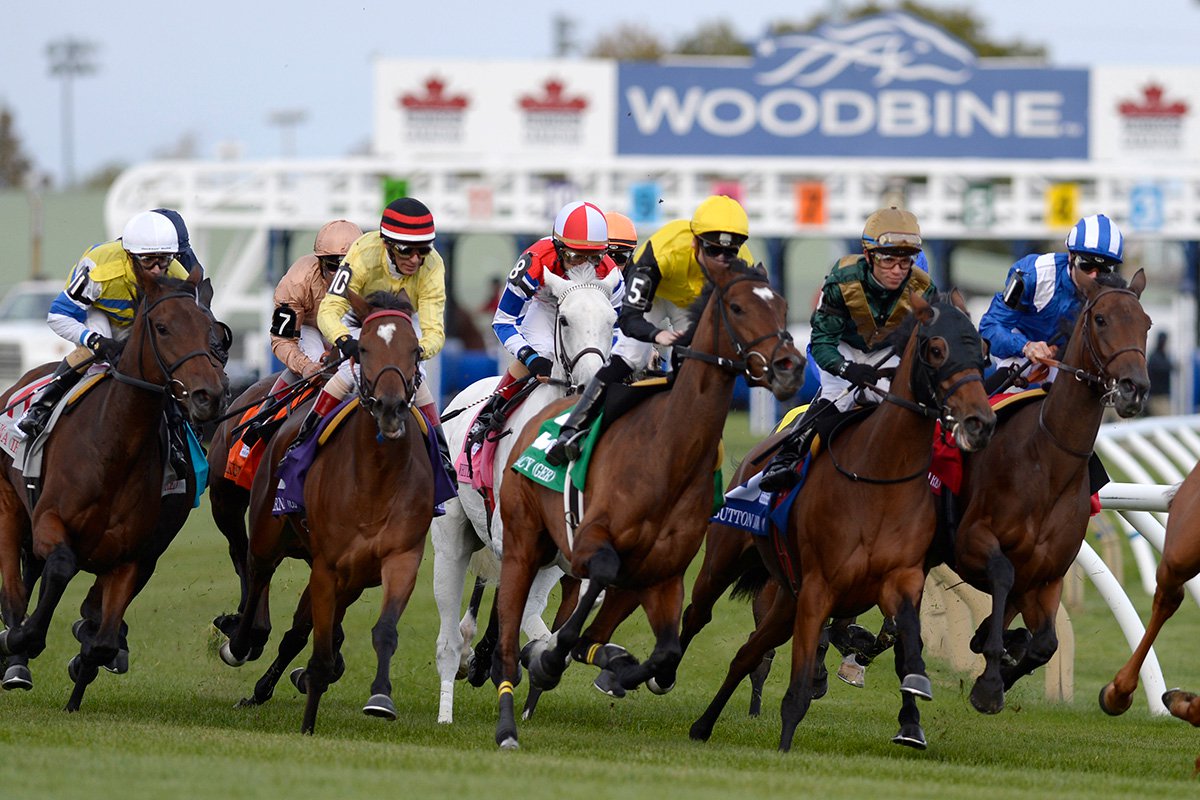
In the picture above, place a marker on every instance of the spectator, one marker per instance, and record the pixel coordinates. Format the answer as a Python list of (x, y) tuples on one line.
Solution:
[(1160, 367)]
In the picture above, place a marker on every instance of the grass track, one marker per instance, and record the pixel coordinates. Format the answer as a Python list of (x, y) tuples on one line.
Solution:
[(169, 729)]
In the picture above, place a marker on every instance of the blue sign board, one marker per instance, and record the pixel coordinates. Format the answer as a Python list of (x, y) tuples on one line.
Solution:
[(885, 86), (1146, 207)]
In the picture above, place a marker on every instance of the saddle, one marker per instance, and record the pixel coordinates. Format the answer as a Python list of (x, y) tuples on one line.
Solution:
[(247, 448)]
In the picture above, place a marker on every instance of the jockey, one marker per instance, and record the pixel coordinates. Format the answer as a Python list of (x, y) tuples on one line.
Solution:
[(864, 299), (399, 256), (295, 339), (524, 320), (622, 238), (666, 276), (96, 308), (1040, 295)]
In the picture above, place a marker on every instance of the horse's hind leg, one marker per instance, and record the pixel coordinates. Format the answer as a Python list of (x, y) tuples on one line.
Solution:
[(987, 695), (1117, 696), (290, 646), (772, 631), (399, 576), (618, 667), (812, 610), (451, 555), (481, 662), (720, 568), (229, 503), (116, 589), (910, 667), (19, 571), (516, 577)]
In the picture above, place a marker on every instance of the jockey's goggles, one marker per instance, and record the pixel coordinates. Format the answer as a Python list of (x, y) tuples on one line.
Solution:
[(895, 239), (620, 255), (330, 263), (716, 251), (893, 260), (581, 257), (153, 260), (402, 251), (1090, 263)]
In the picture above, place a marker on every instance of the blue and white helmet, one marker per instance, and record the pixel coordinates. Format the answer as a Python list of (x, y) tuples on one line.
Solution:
[(1097, 235)]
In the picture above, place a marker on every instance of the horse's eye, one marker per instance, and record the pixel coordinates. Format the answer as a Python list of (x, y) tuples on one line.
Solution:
[(735, 308), (563, 321), (1101, 321), (160, 328)]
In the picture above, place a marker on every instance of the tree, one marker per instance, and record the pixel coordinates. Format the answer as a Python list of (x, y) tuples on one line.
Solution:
[(14, 165), (713, 39), (628, 42), (962, 23)]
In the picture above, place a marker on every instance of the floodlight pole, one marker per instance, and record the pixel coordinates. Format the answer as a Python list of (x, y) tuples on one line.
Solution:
[(69, 58)]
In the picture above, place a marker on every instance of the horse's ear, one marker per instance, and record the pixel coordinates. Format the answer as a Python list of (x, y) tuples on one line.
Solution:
[(204, 292), (1138, 282), (195, 276), (1086, 285), (402, 295), (358, 304), (611, 280), (921, 308), (554, 283), (956, 299)]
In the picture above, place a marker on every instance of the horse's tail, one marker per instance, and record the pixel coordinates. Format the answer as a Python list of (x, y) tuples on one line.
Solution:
[(485, 565), (750, 582)]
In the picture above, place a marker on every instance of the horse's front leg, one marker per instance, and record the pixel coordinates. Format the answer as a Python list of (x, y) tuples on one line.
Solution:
[(516, 576), (290, 646), (399, 575), (451, 556), (1038, 610), (812, 610), (116, 589), (664, 606), (19, 570), (987, 695), (29, 637), (322, 588), (910, 663), (1117, 696), (619, 669)]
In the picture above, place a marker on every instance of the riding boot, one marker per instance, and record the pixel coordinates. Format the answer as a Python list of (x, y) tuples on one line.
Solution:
[(431, 414), (35, 419), (780, 473), (491, 418), (325, 403), (570, 438)]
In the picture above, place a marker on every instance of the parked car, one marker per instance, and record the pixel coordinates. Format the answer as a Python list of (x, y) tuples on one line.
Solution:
[(25, 339)]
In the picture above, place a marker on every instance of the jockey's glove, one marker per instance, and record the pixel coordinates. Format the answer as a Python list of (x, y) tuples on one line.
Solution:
[(538, 366), (105, 348), (859, 374), (349, 346)]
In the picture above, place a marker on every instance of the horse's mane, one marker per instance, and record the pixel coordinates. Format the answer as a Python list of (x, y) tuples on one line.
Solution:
[(898, 338), (390, 301), (698, 305), (1111, 280)]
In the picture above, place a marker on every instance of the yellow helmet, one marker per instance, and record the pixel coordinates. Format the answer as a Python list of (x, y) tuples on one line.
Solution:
[(894, 230), (721, 220)]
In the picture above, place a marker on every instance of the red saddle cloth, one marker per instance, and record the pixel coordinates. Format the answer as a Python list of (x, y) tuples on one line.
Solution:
[(243, 460), (946, 467)]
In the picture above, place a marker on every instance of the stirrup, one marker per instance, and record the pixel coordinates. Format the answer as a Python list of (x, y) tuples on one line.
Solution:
[(565, 448), (35, 420), (779, 476)]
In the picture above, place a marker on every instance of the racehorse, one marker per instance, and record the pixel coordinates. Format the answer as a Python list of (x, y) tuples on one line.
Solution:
[(583, 337), (369, 499), (859, 530), (1026, 498), (648, 493), (1180, 563), (101, 507)]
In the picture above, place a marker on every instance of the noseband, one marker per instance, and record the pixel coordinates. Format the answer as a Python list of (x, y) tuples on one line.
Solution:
[(366, 386), (750, 362), (565, 359), (179, 392)]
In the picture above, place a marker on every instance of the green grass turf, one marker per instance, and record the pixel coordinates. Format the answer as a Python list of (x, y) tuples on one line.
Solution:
[(169, 728)]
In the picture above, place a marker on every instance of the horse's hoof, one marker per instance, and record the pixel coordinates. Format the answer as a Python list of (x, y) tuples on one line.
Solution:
[(1113, 709), (119, 664), (77, 629), (851, 672), (509, 743), (246, 702), (73, 667), (986, 702), (16, 677), (380, 705), (917, 685), (255, 653), (608, 683), (911, 736), (228, 657), (298, 679), (227, 624), (700, 732), (652, 685)]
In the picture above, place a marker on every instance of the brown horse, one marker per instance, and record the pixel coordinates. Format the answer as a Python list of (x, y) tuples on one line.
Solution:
[(859, 531), (101, 507), (369, 495), (644, 516), (1180, 563), (1026, 497)]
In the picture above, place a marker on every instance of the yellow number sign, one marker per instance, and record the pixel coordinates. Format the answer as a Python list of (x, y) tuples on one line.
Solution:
[(1062, 200)]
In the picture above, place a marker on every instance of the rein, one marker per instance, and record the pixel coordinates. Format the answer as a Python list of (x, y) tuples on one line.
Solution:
[(566, 361), (366, 386), (168, 371)]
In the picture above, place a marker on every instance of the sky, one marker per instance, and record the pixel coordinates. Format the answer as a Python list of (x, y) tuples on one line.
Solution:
[(215, 73)]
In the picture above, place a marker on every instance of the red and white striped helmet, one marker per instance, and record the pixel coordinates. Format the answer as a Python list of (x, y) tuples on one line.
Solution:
[(581, 226)]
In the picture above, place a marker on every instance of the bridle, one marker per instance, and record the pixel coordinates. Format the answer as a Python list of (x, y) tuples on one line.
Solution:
[(750, 362), (566, 360), (178, 392), (366, 386), (1100, 380), (924, 380)]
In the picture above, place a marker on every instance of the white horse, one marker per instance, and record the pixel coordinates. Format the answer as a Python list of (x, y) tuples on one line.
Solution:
[(583, 338)]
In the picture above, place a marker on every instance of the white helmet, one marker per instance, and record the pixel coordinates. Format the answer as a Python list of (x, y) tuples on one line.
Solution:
[(149, 232)]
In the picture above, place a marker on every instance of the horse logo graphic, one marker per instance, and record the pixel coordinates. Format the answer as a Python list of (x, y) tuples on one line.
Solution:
[(897, 46)]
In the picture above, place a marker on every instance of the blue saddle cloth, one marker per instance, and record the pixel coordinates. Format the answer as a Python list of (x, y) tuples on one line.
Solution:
[(293, 470), (749, 508)]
